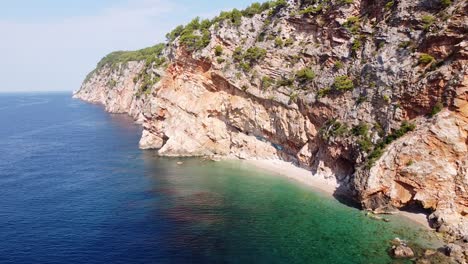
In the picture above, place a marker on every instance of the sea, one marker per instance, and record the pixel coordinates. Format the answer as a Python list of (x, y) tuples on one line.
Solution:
[(75, 188)]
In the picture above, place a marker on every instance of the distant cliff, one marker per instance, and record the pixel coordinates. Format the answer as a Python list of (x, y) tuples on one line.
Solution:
[(372, 93)]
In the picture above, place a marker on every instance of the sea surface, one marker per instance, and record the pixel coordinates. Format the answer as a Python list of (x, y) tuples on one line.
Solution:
[(75, 188)]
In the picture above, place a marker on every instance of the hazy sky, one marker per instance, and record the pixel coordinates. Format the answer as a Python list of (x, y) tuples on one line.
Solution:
[(50, 45)]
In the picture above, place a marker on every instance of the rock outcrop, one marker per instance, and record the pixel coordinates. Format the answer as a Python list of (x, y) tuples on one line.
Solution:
[(371, 93)]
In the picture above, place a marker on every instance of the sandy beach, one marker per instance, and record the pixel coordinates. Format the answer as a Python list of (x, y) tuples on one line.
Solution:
[(327, 186)]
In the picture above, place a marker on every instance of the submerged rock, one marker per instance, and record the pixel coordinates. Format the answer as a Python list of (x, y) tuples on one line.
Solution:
[(402, 251)]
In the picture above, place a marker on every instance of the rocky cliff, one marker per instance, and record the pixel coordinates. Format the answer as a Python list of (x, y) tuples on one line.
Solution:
[(373, 94)]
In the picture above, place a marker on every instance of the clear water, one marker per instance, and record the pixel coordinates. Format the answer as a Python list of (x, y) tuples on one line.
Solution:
[(75, 188)]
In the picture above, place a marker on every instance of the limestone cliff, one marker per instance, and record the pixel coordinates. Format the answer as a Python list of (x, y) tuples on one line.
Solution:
[(371, 93)]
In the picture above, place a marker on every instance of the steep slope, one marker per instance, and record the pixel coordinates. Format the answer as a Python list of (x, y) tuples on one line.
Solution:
[(372, 93)]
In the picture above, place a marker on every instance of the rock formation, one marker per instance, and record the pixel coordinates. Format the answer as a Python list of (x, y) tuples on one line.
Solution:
[(371, 93)]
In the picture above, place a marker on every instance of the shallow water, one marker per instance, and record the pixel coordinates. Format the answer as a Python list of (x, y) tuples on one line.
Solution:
[(75, 188)]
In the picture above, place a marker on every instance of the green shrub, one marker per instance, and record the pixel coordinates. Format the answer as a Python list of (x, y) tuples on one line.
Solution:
[(323, 92), (255, 8), (255, 54), (293, 96), (234, 17), (333, 128), (288, 42), (249, 57), (343, 83), (389, 5), (404, 44), (218, 50), (352, 24), (404, 128), (365, 144), (261, 37), (238, 54), (436, 109), (279, 42), (445, 3), (171, 36), (311, 10), (305, 74), (361, 100), (338, 65), (428, 21), (386, 98), (112, 83), (356, 45), (245, 66), (285, 82), (278, 4), (425, 59), (266, 82), (220, 60), (118, 57), (361, 130)]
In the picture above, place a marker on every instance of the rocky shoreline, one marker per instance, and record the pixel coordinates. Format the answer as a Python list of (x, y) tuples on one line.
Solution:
[(372, 96)]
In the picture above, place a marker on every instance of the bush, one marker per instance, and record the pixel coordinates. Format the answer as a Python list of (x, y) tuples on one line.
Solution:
[(174, 33), (245, 66), (279, 42), (365, 144), (218, 50), (278, 4), (285, 82), (339, 65), (112, 83), (255, 8), (343, 83), (361, 130), (352, 24), (389, 5), (234, 17), (305, 74), (266, 82), (255, 54), (323, 92), (445, 3), (196, 35), (118, 57), (311, 10), (386, 98), (404, 44), (425, 59), (237, 54), (288, 42), (356, 45), (333, 128), (436, 109), (427, 20)]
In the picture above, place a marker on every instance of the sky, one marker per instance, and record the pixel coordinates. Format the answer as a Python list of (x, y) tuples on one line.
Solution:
[(51, 45)]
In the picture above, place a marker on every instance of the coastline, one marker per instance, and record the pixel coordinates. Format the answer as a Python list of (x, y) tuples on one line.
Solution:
[(326, 186)]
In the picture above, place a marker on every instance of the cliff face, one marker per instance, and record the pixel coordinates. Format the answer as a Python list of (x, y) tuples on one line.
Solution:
[(371, 93), (114, 88)]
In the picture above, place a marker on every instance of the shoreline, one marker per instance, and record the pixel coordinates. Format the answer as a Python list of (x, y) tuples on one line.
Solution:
[(326, 186)]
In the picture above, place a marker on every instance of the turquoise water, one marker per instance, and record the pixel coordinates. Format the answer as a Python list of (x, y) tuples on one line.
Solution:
[(76, 189)]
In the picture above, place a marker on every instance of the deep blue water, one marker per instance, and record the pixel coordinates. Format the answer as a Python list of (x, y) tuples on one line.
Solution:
[(75, 188)]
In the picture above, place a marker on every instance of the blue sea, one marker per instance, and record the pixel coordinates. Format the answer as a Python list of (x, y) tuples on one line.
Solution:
[(75, 188)]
